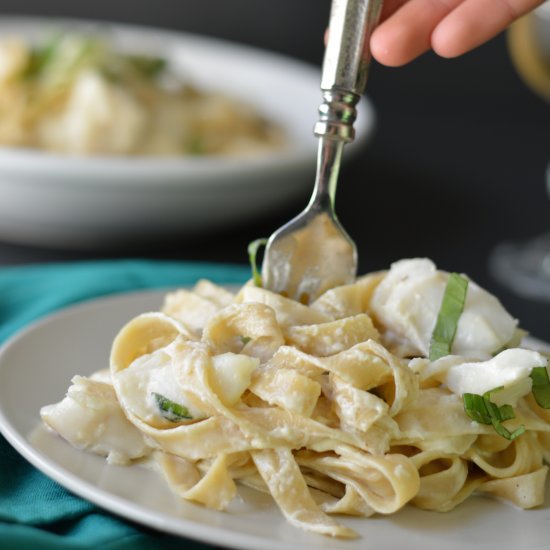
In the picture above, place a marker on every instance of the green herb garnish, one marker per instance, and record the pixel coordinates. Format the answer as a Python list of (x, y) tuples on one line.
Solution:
[(245, 339), (174, 412), (195, 145), (541, 386), (450, 311), (60, 61), (41, 56), (253, 248), (481, 409), (64, 55), (149, 67)]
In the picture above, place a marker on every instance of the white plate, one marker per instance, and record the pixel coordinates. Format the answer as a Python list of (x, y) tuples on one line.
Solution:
[(35, 369), (90, 202)]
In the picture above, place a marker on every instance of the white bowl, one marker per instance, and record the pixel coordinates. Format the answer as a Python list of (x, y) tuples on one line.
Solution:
[(89, 202)]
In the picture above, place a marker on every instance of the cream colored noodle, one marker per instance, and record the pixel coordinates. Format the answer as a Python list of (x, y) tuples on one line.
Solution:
[(320, 406)]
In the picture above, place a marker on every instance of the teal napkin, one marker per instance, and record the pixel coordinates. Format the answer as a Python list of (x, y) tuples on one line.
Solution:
[(36, 512)]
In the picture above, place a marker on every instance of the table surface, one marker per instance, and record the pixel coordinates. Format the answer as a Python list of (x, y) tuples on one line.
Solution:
[(456, 165)]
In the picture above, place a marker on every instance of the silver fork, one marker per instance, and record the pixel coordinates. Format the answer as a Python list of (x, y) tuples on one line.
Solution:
[(313, 252)]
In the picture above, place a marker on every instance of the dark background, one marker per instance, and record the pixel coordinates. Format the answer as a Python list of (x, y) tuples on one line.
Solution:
[(455, 167)]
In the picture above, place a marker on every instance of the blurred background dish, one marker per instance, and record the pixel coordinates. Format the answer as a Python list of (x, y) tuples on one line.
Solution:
[(96, 199)]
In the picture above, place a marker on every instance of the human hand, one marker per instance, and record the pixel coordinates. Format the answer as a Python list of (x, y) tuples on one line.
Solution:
[(409, 28)]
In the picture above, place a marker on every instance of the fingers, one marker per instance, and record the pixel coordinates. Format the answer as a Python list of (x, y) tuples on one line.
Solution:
[(467, 27), (406, 32), (451, 27)]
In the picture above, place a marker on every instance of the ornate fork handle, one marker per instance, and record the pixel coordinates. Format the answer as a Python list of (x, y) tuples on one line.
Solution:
[(345, 66)]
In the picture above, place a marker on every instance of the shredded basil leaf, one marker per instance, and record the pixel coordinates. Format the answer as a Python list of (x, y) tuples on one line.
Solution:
[(64, 55), (541, 386), (195, 146), (148, 66), (173, 412), (481, 409), (507, 434), (245, 339), (450, 311), (475, 408), (253, 248), (41, 56)]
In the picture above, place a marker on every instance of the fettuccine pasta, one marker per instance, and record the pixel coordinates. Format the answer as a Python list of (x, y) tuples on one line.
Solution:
[(332, 408)]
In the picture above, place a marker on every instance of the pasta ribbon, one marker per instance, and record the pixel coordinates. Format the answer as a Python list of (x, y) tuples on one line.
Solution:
[(288, 487), (332, 337)]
